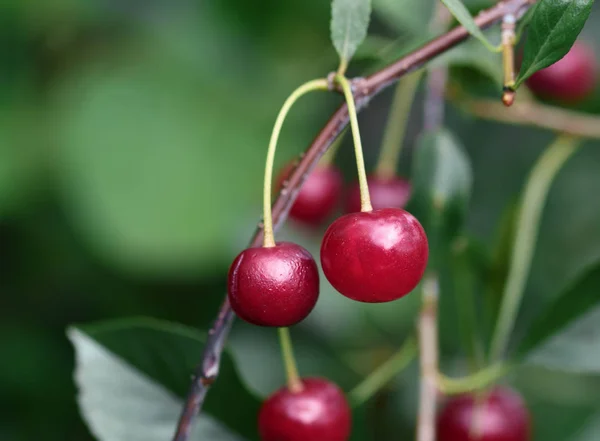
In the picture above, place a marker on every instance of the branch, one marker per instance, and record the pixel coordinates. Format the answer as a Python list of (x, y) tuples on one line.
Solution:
[(537, 115), (364, 89), (428, 347)]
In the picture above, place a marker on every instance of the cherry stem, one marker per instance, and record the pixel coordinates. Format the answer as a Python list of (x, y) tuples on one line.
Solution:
[(532, 204), (293, 379), (320, 84), (384, 373), (472, 383), (508, 58), (365, 198), (395, 128)]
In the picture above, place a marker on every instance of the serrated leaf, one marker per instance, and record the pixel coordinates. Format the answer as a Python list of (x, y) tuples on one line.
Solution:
[(464, 17), (567, 334), (132, 375), (349, 24), (442, 179), (554, 27)]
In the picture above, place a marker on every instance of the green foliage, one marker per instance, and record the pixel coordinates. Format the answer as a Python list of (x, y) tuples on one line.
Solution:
[(553, 28), (441, 179), (393, 13), (464, 17), (566, 335), (156, 357), (349, 24)]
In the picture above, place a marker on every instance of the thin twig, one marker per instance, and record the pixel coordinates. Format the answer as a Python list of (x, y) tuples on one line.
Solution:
[(433, 119), (537, 115), (364, 89), (428, 347)]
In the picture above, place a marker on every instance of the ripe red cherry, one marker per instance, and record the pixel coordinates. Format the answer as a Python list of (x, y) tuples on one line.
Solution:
[(385, 193), (500, 416), (275, 286), (319, 412), (318, 196), (571, 78), (375, 256)]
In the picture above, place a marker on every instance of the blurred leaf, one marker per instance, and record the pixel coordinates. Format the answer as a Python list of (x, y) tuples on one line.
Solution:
[(464, 17), (590, 431), (441, 179), (554, 27), (472, 54), (567, 335), (150, 169), (349, 24), (152, 361), (394, 13)]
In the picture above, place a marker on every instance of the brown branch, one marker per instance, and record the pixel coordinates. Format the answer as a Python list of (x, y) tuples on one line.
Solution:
[(536, 115), (364, 89)]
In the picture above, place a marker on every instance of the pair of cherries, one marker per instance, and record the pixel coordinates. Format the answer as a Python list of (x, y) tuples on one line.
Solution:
[(320, 412), (373, 256)]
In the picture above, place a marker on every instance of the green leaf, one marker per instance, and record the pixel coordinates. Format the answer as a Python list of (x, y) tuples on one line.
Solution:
[(567, 335), (132, 374), (464, 17), (554, 27), (393, 13), (473, 55), (442, 179), (349, 24)]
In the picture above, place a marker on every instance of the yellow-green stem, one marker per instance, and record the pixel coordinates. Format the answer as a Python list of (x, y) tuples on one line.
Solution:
[(320, 84), (532, 205), (365, 199), (291, 370), (477, 381), (395, 128), (384, 373)]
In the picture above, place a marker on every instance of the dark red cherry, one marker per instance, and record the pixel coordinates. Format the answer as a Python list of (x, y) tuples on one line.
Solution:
[(319, 412), (499, 416), (275, 286), (318, 196), (571, 78), (385, 193), (375, 256)]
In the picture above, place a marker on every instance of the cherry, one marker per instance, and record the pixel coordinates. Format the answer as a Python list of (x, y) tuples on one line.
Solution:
[(273, 286), (571, 78), (391, 192), (499, 416), (318, 412), (375, 256), (318, 196)]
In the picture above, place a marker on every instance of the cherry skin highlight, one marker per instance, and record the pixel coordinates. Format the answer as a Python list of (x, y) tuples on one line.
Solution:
[(319, 412), (318, 196), (385, 193), (570, 79), (275, 286), (500, 416), (375, 256)]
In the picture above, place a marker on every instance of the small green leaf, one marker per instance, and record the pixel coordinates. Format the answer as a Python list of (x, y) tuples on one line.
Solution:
[(567, 335), (464, 17), (132, 375), (554, 27), (442, 179), (349, 24)]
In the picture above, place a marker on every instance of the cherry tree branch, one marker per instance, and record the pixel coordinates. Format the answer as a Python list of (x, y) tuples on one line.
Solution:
[(364, 89), (536, 115)]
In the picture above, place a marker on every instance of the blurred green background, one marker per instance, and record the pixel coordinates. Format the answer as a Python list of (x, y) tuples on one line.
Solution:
[(132, 144)]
